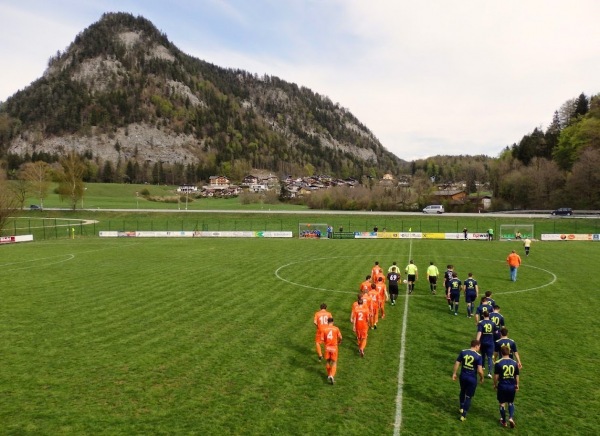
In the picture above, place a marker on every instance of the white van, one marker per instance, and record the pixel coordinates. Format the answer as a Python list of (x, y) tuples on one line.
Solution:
[(434, 208)]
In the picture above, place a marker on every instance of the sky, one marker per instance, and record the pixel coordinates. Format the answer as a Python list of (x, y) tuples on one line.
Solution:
[(427, 77)]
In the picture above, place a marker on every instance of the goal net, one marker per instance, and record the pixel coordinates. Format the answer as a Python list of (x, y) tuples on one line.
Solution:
[(312, 231), (516, 231)]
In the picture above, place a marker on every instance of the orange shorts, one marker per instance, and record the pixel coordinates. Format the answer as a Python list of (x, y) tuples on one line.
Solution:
[(362, 332), (331, 353)]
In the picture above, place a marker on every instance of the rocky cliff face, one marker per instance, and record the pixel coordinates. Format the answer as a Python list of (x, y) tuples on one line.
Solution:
[(123, 91)]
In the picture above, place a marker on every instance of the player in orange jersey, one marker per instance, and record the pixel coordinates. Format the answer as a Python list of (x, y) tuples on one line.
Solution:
[(383, 295), (332, 337), (374, 294), (361, 315), (366, 285), (376, 271), (360, 301), (320, 319)]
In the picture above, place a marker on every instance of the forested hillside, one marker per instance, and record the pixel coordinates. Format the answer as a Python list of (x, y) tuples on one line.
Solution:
[(547, 168), (132, 104), (125, 103)]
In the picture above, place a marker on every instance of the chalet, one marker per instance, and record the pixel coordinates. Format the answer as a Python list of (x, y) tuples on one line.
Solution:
[(218, 181), (269, 180), (249, 180), (450, 195), (257, 187), (187, 189)]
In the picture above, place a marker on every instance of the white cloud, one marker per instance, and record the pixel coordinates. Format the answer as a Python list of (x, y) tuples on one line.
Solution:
[(434, 77)]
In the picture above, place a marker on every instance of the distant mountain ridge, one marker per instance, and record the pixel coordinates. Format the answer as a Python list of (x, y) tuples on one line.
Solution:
[(123, 93)]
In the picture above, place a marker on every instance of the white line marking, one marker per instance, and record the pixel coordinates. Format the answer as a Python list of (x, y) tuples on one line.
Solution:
[(33, 262), (306, 286), (402, 358), (400, 391)]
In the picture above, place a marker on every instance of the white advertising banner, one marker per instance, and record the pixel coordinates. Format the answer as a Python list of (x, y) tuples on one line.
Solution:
[(470, 236), (570, 237), (14, 239), (197, 234)]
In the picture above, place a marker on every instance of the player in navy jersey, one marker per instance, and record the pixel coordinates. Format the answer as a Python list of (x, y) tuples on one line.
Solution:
[(393, 278), (471, 367), (484, 306), (506, 382), (455, 286), (485, 335), (471, 294), (447, 278), (498, 319), (488, 295), (505, 341)]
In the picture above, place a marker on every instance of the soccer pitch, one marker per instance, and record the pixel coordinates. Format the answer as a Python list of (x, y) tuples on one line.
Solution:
[(215, 336)]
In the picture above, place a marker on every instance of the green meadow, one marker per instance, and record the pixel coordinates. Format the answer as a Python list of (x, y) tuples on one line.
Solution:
[(215, 336)]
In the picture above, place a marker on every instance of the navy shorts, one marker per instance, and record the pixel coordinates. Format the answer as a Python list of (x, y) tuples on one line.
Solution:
[(455, 296), (468, 386), (506, 395), (470, 297)]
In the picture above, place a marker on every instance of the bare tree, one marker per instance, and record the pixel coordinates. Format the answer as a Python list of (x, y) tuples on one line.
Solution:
[(583, 184), (71, 186), (9, 203), (37, 174), (547, 179), (20, 189)]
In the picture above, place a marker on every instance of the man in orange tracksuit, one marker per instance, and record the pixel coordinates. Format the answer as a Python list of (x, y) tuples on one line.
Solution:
[(320, 320), (361, 315), (332, 337), (514, 262)]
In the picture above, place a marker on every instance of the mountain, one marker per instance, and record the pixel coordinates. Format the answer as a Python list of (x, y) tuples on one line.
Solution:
[(123, 95)]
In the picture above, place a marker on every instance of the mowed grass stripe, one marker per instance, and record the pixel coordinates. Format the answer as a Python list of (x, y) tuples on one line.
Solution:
[(201, 337)]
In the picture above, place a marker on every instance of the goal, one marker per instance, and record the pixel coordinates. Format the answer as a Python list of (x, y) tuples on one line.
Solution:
[(312, 231), (516, 231)]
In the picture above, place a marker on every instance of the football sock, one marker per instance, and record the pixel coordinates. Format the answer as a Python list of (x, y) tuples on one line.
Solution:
[(511, 410), (466, 405), (333, 368), (502, 413), (328, 369)]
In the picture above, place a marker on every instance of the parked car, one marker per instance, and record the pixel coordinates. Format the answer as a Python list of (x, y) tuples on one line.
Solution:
[(434, 208), (35, 207), (563, 211)]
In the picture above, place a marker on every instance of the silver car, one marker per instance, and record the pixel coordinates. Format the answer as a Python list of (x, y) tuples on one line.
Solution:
[(434, 208)]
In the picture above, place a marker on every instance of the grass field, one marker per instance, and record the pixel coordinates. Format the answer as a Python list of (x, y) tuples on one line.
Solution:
[(128, 196), (208, 336)]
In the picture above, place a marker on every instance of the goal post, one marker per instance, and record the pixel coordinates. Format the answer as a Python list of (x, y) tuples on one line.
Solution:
[(516, 231), (312, 231)]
